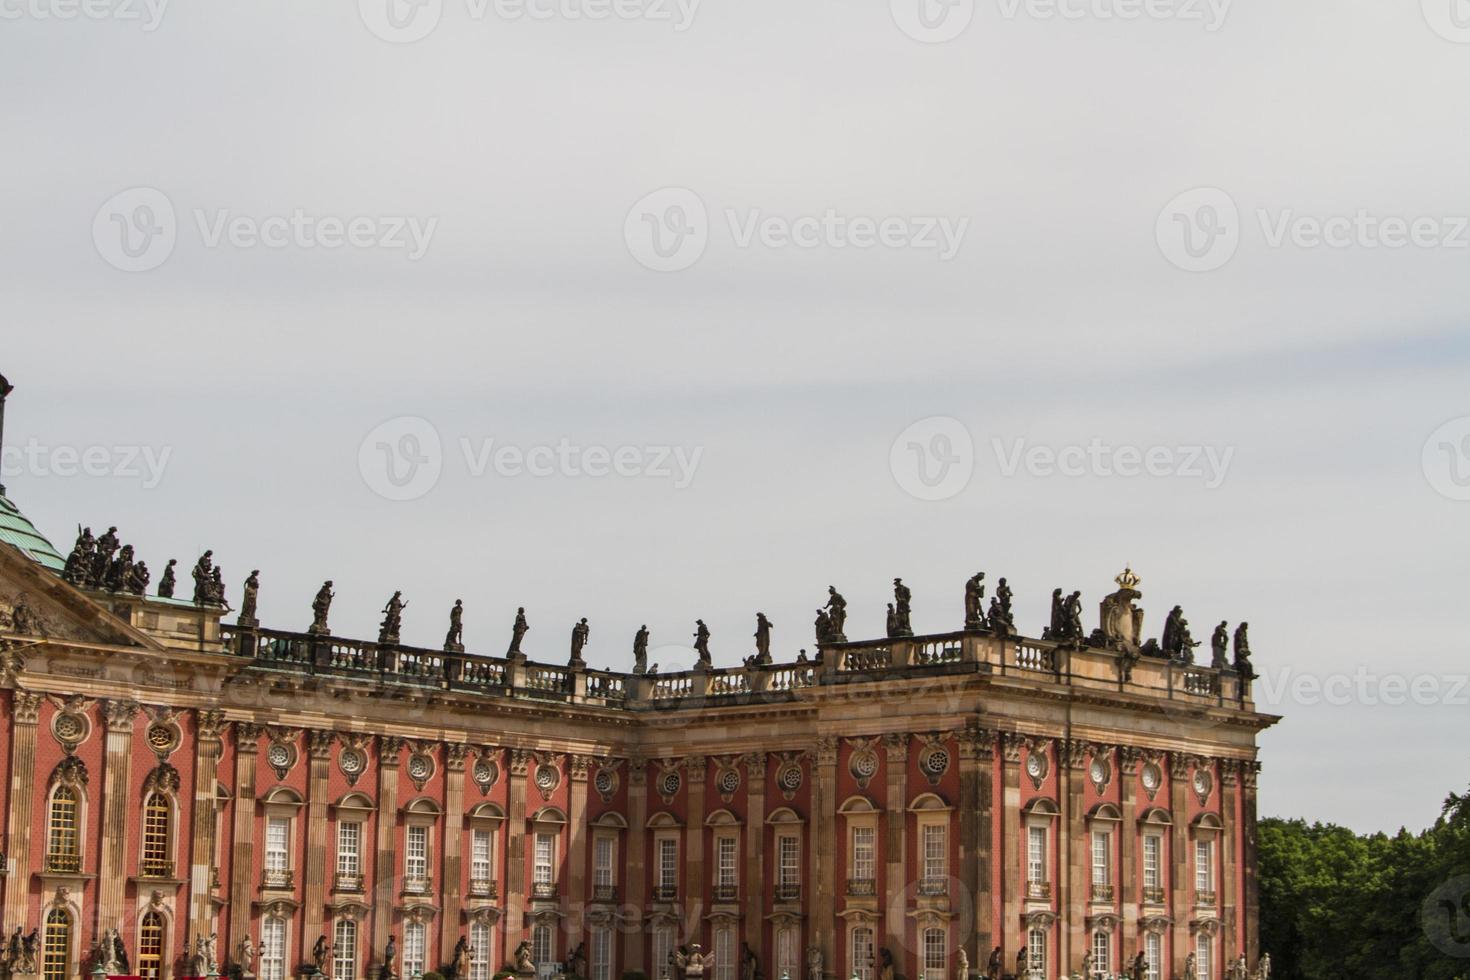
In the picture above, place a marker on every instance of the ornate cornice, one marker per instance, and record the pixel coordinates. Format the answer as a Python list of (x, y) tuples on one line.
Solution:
[(319, 744), (119, 714), (896, 744), (1011, 746), (455, 755), (390, 751), (247, 736), (210, 724), (755, 768), (698, 767), (578, 767), (1129, 759), (27, 707), (520, 761)]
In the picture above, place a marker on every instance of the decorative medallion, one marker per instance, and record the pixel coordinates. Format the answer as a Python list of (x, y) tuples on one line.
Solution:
[(352, 762), (605, 782), (281, 756), (727, 781), (420, 768), (163, 738), (1152, 778), (70, 771), (485, 774), (1204, 785), (669, 784), (71, 729), (1100, 773), (863, 763), (1037, 764), (548, 777), (165, 779), (934, 759), (788, 778)]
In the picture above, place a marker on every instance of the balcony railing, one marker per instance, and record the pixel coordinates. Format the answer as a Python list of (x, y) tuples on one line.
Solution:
[(604, 893), (63, 863), (349, 882), (543, 889), (862, 887), (156, 868), (665, 893), (1102, 893), (932, 887), (726, 893), (1038, 890), (483, 888), (1153, 896), (788, 891), (417, 884), (1205, 899), (277, 878)]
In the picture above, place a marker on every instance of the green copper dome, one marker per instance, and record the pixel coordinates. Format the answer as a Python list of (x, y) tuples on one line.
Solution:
[(16, 529)]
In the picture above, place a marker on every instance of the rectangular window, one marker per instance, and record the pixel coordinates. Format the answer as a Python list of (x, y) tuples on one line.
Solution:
[(862, 953), (1102, 954), (602, 862), (273, 949), (788, 850), (786, 946), (1153, 853), (349, 841), (936, 852), (725, 861), (482, 855), (545, 858), (277, 848), (1101, 853), (1204, 870), (1204, 950), (1036, 854), (668, 864), (863, 852), (1036, 953), (414, 952), (542, 952), (416, 855), (1153, 955), (935, 955), (344, 950), (601, 962), (663, 948), (725, 953), (480, 952), (150, 947)]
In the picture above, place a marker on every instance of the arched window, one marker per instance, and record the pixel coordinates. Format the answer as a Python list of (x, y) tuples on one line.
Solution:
[(56, 947), (480, 953), (157, 817), (935, 954), (273, 948), (1102, 954), (344, 950), (150, 947), (63, 837), (415, 949), (1036, 952)]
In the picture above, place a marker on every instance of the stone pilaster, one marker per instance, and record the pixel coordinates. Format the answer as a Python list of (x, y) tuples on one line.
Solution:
[(1181, 877), (579, 895), (208, 745), (386, 865), (895, 824), (451, 878), (823, 848), (117, 802), (1012, 858), (695, 907), (1129, 876), (977, 757), (1073, 880), (755, 851), (635, 952), (515, 852), (25, 709), (1229, 858), (319, 762), (242, 853), (1250, 898)]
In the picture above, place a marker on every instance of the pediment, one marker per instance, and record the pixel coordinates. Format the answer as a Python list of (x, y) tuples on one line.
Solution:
[(50, 609)]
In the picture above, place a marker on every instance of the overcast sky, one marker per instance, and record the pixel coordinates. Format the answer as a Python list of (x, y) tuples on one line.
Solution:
[(1020, 233)]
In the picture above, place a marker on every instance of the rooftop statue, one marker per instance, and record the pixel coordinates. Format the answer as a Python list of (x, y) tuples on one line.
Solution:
[(107, 546), (1186, 641), (392, 619), (248, 596), (892, 621), (320, 607), (79, 562), (518, 632), (1219, 644), (1243, 652), (1072, 630), (837, 612), (902, 598), (1001, 619), (824, 627), (640, 650), (701, 643), (454, 639), (1058, 613), (580, 633), (974, 602), (120, 571), (762, 639), (217, 588), (138, 580), (169, 582), (1121, 621)]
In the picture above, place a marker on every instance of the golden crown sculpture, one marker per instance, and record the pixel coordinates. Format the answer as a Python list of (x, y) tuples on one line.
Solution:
[(1127, 580)]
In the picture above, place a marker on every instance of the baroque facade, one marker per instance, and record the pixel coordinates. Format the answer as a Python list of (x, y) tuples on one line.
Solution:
[(225, 795)]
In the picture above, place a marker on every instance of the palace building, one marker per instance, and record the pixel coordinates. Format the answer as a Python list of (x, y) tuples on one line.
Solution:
[(224, 795)]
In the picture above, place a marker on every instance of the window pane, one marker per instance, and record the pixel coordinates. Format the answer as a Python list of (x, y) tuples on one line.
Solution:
[(936, 851), (862, 953), (344, 950), (150, 946), (414, 937), (349, 837), (277, 832), (273, 949), (602, 956), (862, 853), (480, 951)]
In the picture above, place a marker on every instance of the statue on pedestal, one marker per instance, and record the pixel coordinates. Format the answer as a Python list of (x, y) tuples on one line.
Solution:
[(320, 953), (107, 546), (824, 627), (892, 622), (1263, 967), (996, 964), (576, 964), (701, 643), (79, 562), (459, 962), (1191, 967), (974, 602), (1169, 640), (454, 639), (814, 962), (580, 634), (885, 969), (1122, 621), (170, 580), (245, 957), (525, 965), (640, 650), (392, 619), (248, 599), (837, 612), (902, 599), (138, 581), (762, 639), (204, 579), (962, 964), (1139, 969), (390, 952), (517, 632), (1243, 652), (320, 607), (1219, 643)]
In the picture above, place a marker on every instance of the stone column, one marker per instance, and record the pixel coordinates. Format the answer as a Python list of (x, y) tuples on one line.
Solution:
[(1074, 881), (386, 864), (242, 853), (1181, 878), (1250, 898), (515, 852), (1130, 885), (451, 877), (1012, 859), (25, 708), (1230, 925), (695, 766), (977, 757), (579, 895), (207, 748), (895, 823), (117, 803), (823, 848), (634, 873), (755, 851), (314, 894)]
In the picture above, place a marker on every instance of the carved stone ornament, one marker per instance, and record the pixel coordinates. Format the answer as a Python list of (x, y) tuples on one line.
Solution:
[(727, 778), (934, 758), (455, 755), (547, 777), (70, 728), (165, 779), (281, 753), (319, 744), (1038, 765), (520, 762), (1011, 746), (486, 771), (421, 766), (789, 774), (755, 768), (605, 780), (71, 772), (353, 762), (863, 762), (1100, 771), (669, 780), (1203, 784)]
